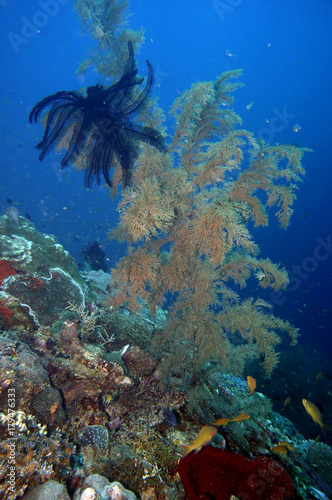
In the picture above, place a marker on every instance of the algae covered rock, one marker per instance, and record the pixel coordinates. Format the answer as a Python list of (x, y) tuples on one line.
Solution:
[(32, 251), (46, 297), (39, 278), (98, 487), (51, 489), (22, 372)]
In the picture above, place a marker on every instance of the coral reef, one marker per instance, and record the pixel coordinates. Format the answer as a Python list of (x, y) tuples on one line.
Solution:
[(319, 456), (22, 370), (46, 297), (33, 251), (38, 277), (78, 414), (96, 435), (60, 382), (98, 282), (97, 487), (38, 458), (110, 392), (6, 270)]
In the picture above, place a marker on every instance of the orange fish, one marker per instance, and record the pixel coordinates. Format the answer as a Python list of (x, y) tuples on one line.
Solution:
[(286, 402), (241, 417), (315, 414), (222, 421), (287, 445), (282, 450), (251, 384), (203, 437)]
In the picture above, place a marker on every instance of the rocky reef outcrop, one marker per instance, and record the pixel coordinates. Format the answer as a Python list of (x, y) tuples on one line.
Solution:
[(38, 277)]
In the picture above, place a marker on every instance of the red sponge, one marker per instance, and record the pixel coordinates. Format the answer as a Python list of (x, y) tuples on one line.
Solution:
[(219, 474)]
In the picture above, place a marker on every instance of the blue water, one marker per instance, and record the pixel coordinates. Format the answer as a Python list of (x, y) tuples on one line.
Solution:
[(284, 48)]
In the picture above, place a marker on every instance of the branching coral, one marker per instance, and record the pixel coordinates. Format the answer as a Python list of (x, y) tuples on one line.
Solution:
[(89, 323), (187, 218), (106, 21)]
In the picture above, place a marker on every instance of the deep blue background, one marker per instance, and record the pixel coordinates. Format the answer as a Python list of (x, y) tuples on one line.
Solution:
[(284, 48)]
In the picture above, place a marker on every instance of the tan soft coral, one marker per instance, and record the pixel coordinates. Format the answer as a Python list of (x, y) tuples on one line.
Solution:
[(186, 220)]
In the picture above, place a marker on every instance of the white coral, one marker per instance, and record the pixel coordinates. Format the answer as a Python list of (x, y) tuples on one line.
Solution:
[(89, 494)]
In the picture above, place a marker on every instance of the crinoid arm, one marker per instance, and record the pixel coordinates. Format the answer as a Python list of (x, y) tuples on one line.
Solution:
[(99, 161), (64, 124), (119, 96), (58, 98), (144, 94), (59, 119), (148, 135)]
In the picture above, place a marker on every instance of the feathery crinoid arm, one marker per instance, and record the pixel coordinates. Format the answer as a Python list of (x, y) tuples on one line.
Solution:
[(61, 97)]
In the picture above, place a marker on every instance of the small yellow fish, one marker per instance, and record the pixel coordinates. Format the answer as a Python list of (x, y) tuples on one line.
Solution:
[(108, 398), (286, 402), (286, 444), (315, 414), (241, 417), (251, 384), (222, 421), (319, 376), (203, 437), (282, 450), (260, 275)]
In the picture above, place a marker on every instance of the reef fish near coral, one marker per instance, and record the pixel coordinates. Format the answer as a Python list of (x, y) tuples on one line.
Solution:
[(251, 384), (315, 414), (203, 438)]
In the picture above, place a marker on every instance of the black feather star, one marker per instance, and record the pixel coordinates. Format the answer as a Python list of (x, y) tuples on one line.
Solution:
[(98, 128)]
